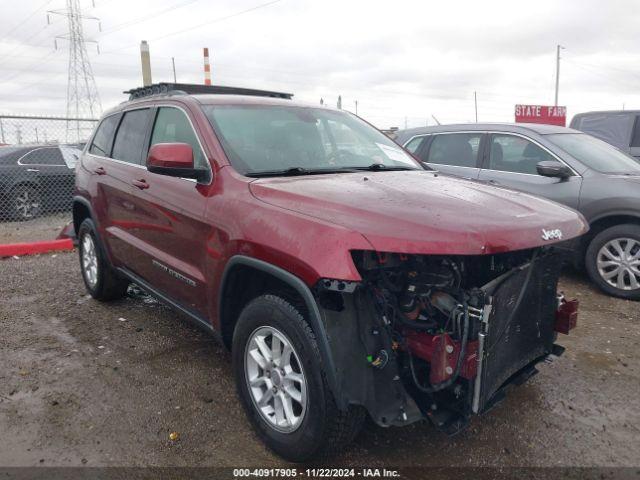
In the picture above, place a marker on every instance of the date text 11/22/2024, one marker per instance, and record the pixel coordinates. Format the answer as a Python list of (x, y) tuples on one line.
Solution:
[(315, 472)]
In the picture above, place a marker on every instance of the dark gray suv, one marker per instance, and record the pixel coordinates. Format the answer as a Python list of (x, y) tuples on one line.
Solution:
[(558, 163)]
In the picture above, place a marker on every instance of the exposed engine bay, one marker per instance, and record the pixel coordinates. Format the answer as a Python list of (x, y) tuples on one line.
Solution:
[(442, 336)]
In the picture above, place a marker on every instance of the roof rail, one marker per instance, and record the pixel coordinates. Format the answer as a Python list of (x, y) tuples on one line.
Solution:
[(165, 88)]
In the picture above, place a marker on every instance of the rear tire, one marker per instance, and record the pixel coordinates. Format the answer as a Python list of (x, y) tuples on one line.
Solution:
[(318, 428), (613, 261), (101, 280)]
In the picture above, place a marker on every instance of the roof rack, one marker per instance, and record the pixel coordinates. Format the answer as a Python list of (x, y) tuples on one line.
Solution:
[(165, 88)]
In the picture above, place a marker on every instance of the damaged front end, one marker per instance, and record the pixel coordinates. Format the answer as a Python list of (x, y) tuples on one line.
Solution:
[(442, 337)]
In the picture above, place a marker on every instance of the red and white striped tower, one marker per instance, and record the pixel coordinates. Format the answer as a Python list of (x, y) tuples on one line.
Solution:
[(207, 67)]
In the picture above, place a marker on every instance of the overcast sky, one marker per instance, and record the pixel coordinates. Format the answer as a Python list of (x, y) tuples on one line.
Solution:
[(402, 61)]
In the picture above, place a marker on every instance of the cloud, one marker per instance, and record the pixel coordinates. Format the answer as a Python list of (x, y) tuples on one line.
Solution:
[(406, 60)]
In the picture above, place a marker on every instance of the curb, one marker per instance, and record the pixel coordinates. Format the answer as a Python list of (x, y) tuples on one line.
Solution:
[(33, 248)]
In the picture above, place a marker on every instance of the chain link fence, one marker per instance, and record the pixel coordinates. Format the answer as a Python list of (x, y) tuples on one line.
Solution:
[(37, 173)]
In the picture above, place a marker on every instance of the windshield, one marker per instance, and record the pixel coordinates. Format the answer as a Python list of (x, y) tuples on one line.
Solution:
[(302, 140), (595, 154)]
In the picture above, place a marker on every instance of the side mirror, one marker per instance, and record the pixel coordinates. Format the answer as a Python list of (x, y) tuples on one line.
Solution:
[(553, 168), (174, 160)]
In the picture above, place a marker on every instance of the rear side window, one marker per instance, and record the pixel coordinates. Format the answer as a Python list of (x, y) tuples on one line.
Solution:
[(104, 134), (456, 149), (43, 156), (635, 139), (171, 126), (129, 141), (510, 153), (613, 128), (414, 144)]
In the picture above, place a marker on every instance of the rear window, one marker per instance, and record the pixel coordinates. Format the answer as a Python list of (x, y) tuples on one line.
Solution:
[(102, 139), (613, 128)]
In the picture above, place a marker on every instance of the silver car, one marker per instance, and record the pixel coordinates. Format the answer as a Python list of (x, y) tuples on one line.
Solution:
[(558, 163)]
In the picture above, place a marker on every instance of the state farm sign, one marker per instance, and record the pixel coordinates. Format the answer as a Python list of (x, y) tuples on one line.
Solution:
[(541, 114)]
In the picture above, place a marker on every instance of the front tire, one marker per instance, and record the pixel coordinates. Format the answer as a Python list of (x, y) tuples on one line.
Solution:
[(100, 279), (280, 380), (613, 261)]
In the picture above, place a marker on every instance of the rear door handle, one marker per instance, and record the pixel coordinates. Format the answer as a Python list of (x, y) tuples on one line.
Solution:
[(32, 170), (141, 184), (100, 171)]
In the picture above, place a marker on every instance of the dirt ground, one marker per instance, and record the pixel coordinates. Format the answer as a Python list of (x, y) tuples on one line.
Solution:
[(85, 383), (41, 228)]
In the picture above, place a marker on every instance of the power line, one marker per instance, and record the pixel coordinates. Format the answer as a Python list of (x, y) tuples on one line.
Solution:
[(146, 18), (15, 27), (200, 25)]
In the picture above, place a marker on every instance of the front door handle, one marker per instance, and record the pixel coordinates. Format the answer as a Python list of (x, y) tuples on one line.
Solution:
[(141, 184), (100, 171), (494, 182), (32, 170)]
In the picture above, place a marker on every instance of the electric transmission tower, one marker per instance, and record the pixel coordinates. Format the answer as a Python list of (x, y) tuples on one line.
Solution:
[(82, 95)]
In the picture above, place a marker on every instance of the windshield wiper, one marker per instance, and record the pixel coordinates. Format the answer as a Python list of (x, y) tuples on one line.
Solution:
[(296, 171), (377, 167)]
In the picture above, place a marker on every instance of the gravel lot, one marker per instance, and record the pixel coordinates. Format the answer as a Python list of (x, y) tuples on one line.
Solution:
[(41, 228), (85, 383)]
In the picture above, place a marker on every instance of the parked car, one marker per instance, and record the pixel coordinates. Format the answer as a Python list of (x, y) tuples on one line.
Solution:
[(560, 164), (346, 279), (35, 179), (620, 128)]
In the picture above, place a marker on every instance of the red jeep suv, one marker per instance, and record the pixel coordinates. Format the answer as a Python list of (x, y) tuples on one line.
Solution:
[(346, 278)]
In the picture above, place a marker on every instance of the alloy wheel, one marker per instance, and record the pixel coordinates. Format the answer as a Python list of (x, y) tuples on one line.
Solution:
[(89, 260), (618, 263), (275, 379), (27, 204)]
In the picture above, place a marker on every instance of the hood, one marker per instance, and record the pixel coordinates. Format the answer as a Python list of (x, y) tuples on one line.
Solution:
[(424, 212)]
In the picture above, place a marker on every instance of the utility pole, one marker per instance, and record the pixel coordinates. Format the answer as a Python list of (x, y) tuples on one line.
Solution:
[(475, 102), (356, 107), (173, 64), (2, 132), (82, 94), (405, 123), (558, 47), (145, 60)]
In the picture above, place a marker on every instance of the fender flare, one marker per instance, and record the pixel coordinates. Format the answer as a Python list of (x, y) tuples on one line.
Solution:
[(615, 213), (315, 319), (86, 203)]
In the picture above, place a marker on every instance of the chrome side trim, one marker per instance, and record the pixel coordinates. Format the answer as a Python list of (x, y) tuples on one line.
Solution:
[(19, 162), (497, 132), (144, 167)]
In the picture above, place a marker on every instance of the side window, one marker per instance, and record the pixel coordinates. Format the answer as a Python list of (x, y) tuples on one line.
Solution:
[(414, 144), (172, 125), (43, 156), (635, 139), (510, 153), (456, 149), (130, 136), (104, 134)]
